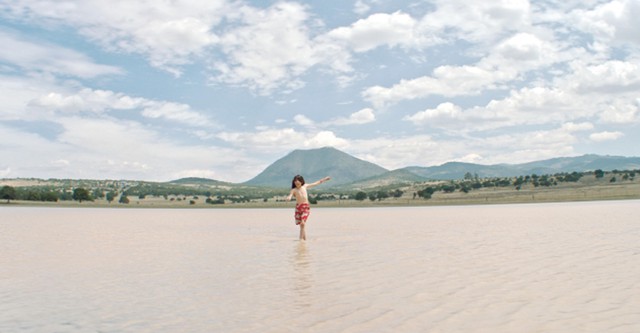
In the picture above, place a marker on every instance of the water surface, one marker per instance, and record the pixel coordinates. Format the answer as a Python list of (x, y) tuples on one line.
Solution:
[(567, 267)]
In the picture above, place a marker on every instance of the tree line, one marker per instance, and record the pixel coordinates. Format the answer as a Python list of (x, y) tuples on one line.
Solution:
[(122, 191), (471, 182)]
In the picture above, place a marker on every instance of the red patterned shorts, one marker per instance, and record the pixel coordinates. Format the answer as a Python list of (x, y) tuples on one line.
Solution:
[(302, 213)]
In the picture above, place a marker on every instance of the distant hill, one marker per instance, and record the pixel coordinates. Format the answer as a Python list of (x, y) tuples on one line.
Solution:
[(349, 172), (199, 181), (314, 164), (584, 163), (457, 170), (395, 177)]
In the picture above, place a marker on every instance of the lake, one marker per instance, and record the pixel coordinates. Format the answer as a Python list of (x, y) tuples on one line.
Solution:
[(554, 267)]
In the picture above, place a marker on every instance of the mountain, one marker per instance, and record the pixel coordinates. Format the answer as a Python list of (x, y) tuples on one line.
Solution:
[(314, 164), (585, 163), (457, 170), (348, 171), (199, 181), (395, 177)]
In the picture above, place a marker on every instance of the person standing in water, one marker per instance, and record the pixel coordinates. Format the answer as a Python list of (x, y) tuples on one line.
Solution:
[(299, 190)]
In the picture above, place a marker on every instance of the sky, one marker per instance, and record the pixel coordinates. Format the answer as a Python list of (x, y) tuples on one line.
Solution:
[(221, 89)]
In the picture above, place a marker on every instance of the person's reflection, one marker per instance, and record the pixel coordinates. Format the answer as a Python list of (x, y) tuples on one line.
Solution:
[(302, 275)]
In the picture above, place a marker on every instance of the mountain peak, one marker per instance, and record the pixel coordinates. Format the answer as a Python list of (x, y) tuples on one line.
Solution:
[(314, 164)]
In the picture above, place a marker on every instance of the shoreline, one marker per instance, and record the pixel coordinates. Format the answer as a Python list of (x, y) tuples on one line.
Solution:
[(479, 197)]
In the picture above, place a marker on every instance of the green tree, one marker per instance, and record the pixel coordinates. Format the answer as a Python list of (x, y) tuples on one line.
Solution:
[(518, 182), (81, 194), (7, 193), (361, 196), (110, 196), (32, 195), (599, 173), (427, 192), (381, 195), (124, 199), (448, 188), (98, 193), (49, 196)]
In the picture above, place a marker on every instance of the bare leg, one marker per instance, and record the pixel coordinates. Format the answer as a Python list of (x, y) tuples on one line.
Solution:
[(303, 234)]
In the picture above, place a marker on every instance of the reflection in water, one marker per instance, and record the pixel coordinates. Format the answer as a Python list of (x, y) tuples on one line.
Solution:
[(302, 284)]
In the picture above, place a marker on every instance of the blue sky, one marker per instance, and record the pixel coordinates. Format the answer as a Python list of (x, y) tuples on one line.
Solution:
[(159, 90)]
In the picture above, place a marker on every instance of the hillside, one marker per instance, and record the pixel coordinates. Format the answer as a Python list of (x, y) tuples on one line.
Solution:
[(199, 181), (314, 164), (457, 170), (390, 178)]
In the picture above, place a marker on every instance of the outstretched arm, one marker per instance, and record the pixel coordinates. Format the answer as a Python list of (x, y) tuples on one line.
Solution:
[(290, 195), (318, 182)]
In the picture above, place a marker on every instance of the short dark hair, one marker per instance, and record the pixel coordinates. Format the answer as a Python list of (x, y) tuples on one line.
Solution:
[(297, 177)]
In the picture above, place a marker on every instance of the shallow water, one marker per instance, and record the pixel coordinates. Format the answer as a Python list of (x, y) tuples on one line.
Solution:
[(567, 267)]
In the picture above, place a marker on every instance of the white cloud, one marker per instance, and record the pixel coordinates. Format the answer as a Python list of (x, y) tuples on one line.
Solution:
[(527, 106), (176, 112), (325, 139), (621, 112), (595, 93), (609, 77), (396, 29), (396, 152), (40, 56), (535, 77), (470, 158), (361, 7), (168, 33), (524, 146), (261, 49), (502, 65), (278, 139), (605, 136), (443, 112), (363, 116), (16, 92), (281, 140), (448, 81), (478, 21), (303, 120), (425, 150), (270, 50), (107, 148), (614, 21), (577, 127), (86, 100), (101, 101), (29, 154)]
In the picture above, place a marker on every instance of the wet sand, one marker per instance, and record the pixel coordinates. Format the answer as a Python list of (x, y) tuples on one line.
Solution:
[(563, 267)]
